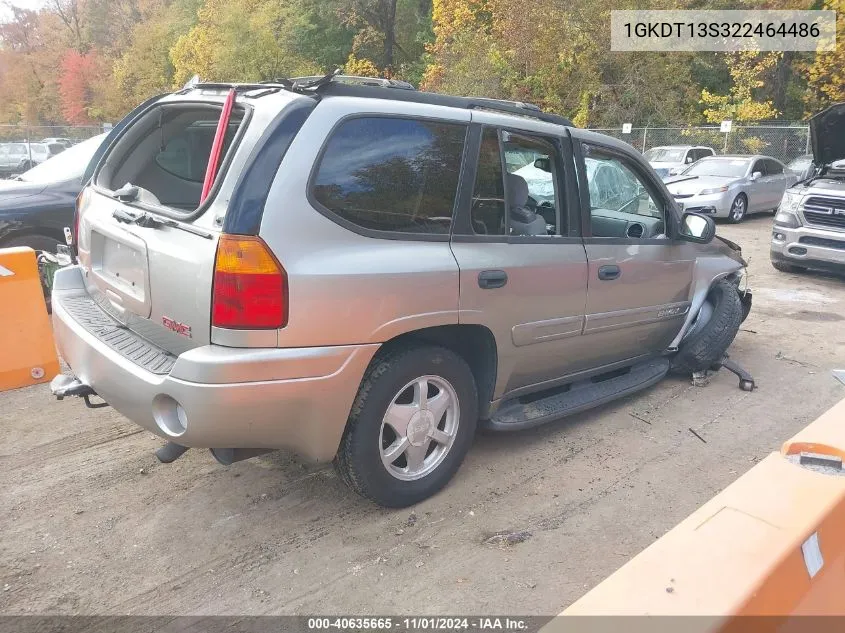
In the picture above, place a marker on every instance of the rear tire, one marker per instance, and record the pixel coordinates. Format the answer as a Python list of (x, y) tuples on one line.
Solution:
[(390, 389), (788, 268), (707, 343)]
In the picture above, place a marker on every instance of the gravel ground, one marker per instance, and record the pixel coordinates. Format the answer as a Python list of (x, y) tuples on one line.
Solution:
[(92, 524)]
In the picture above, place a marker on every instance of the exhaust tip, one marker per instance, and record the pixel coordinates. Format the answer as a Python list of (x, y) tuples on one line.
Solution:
[(228, 456), (170, 452)]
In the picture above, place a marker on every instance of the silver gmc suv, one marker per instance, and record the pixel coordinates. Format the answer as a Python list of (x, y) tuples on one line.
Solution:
[(366, 273), (809, 227)]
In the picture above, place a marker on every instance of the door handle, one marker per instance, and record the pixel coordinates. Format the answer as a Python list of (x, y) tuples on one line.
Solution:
[(488, 279), (607, 273)]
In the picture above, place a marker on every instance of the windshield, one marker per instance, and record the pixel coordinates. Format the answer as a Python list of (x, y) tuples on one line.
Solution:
[(68, 165), (721, 167), (665, 155), (800, 164)]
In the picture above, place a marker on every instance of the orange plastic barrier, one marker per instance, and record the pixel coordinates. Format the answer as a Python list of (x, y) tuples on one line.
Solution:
[(771, 544), (27, 352)]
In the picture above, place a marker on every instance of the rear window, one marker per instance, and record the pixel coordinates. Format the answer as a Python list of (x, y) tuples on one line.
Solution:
[(166, 154), (392, 174)]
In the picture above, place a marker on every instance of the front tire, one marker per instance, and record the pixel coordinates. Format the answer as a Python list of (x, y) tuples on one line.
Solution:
[(739, 207), (706, 343), (410, 427)]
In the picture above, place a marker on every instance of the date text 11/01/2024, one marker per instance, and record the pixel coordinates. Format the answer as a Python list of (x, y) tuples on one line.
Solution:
[(480, 623)]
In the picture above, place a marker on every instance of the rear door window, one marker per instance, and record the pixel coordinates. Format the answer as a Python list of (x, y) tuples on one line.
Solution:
[(521, 199), (391, 174)]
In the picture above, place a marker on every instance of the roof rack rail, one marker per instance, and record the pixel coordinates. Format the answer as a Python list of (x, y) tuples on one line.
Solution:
[(336, 84), (316, 82), (519, 108), (493, 103)]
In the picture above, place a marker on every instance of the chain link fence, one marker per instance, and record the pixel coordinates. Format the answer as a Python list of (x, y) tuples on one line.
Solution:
[(784, 142), (10, 133)]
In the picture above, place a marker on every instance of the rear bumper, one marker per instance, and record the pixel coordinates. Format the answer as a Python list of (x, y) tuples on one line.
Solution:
[(215, 397), (813, 248)]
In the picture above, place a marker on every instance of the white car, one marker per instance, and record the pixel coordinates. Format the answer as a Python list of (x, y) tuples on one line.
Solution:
[(669, 160)]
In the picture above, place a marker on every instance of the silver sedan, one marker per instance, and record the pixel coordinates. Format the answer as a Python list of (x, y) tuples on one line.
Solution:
[(731, 186)]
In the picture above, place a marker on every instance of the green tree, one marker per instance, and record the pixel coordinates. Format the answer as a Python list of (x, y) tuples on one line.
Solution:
[(144, 67), (741, 103), (825, 72), (239, 40)]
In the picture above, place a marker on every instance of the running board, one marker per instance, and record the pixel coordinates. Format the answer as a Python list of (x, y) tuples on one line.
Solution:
[(576, 397)]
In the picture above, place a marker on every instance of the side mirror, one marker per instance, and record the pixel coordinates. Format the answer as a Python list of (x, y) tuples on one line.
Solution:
[(543, 163), (756, 175), (697, 228), (689, 160)]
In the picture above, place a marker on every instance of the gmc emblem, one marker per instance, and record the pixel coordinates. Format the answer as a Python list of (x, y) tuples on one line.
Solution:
[(175, 326)]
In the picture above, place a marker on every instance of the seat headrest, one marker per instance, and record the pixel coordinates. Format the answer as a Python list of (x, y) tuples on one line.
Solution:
[(517, 190)]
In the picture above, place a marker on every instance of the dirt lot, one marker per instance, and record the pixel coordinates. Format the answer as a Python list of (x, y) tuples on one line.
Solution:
[(92, 524)]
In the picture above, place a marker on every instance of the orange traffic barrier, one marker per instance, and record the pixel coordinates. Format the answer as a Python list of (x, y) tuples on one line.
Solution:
[(27, 352), (771, 544)]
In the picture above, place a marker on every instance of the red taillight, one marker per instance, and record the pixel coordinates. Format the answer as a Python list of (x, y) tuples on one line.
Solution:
[(250, 286)]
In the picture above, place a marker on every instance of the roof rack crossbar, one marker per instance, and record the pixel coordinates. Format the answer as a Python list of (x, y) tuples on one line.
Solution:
[(317, 82), (237, 87)]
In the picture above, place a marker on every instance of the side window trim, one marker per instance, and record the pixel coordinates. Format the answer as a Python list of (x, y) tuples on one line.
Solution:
[(375, 233), (669, 216), (462, 222)]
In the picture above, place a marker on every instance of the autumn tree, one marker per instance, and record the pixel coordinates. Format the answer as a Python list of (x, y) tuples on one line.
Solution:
[(825, 73), (78, 82), (742, 103), (33, 44), (239, 40), (389, 34)]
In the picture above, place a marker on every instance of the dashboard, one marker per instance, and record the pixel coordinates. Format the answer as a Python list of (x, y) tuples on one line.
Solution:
[(610, 223)]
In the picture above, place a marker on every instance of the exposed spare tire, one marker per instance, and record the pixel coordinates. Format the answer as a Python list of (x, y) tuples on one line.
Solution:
[(713, 330)]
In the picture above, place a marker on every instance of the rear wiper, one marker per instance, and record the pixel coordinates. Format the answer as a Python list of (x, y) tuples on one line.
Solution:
[(150, 221), (127, 193), (144, 219)]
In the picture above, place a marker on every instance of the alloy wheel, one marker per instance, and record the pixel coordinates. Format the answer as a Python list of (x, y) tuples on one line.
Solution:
[(419, 427)]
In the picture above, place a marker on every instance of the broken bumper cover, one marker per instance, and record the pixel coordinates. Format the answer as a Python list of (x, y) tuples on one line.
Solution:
[(297, 399)]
